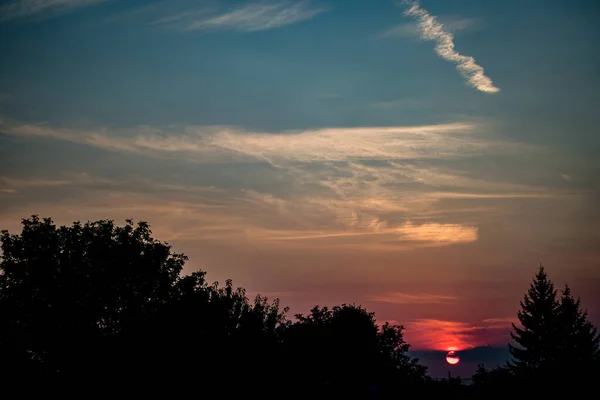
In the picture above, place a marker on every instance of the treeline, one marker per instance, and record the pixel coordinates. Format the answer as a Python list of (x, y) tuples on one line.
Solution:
[(555, 347), (101, 309)]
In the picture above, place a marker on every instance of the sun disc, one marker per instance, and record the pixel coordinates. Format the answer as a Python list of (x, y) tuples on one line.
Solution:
[(452, 358)]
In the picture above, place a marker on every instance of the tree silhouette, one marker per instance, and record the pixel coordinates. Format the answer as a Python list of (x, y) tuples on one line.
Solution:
[(102, 306), (579, 349), (105, 306), (219, 336), (348, 353), (557, 346), (493, 383), (537, 338), (66, 293)]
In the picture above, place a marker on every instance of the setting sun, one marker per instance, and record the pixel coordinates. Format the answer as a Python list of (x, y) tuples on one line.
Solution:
[(452, 358)]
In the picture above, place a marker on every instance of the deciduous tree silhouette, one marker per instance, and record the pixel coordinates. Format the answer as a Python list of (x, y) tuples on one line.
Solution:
[(105, 307), (216, 335), (348, 353), (498, 382), (67, 293)]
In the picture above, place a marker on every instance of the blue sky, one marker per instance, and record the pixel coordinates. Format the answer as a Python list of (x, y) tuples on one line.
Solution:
[(320, 151)]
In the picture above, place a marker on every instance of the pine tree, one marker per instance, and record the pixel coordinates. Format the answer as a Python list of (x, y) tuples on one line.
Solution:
[(536, 339), (556, 346), (579, 350)]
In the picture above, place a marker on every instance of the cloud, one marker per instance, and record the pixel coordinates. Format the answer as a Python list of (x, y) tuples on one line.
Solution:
[(23, 8), (443, 233), (371, 188), (408, 298), (192, 212), (435, 334), (256, 17), (342, 144), (360, 193), (13, 185), (177, 212), (85, 180), (566, 177), (206, 144), (433, 30), (176, 18), (451, 24)]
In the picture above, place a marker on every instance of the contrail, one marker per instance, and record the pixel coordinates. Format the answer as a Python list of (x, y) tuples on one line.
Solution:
[(432, 30)]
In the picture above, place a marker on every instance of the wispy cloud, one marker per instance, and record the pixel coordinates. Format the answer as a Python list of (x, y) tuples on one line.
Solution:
[(173, 219), (205, 144), (256, 16), (433, 30), (177, 18), (82, 180), (566, 177), (9, 185), (411, 298), (357, 237), (383, 188), (365, 143), (23, 8)]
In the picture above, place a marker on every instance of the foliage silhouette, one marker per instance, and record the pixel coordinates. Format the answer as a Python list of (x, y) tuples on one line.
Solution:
[(97, 302), (348, 353), (67, 293), (106, 306), (498, 382)]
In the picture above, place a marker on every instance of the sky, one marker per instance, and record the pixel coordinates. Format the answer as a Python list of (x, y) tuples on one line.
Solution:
[(418, 158)]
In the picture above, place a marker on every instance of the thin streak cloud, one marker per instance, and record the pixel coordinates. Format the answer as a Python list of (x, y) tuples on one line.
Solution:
[(24, 8), (411, 298), (259, 16), (432, 30)]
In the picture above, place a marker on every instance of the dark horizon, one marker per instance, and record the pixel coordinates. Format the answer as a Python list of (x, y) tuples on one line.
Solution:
[(470, 359)]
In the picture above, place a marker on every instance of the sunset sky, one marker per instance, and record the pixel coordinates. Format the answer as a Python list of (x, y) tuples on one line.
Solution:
[(419, 159)]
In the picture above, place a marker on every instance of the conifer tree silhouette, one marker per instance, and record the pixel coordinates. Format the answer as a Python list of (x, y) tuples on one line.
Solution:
[(536, 339), (579, 348)]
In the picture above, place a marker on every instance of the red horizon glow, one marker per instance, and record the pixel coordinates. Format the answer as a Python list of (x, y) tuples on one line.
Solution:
[(430, 334)]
